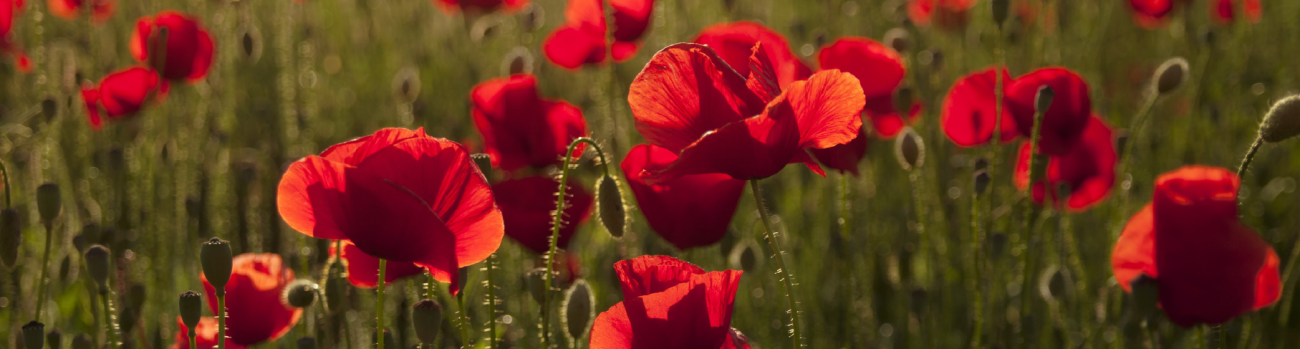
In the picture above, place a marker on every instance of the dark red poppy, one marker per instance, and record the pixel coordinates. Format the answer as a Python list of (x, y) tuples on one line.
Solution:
[(479, 6), (363, 268), (254, 311), (971, 105), (9, 11), (121, 94), (205, 335), (944, 14), (527, 203), (688, 101), (399, 195), (189, 47), (1151, 13), (688, 211), (1225, 11), (668, 303), (880, 70), (1064, 121), (734, 42), (1209, 267), (581, 39), (101, 10), (519, 128), (844, 157), (1087, 170)]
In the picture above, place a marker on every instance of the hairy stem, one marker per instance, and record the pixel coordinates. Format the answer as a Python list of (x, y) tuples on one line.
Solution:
[(379, 307), (108, 315), (492, 304), (1027, 261), (463, 319), (221, 319), (780, 264), (45, 268), (1250, 156), (555, 229)]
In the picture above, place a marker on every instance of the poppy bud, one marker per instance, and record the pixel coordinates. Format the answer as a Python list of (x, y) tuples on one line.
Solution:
[(306, 343), (217, 262), (744, 257), (612, 211), (34, 335), (1146, 294), (1171, 74), (532, 17), (126, 321), (191, 304), (336, 290), (904, 98), (54, 339), (79, 242), (931, 57), (300, 293), (250, 43), (897, 39), (64, 267), (537, 284), (49, 108), (82, 341), (92, 233), (135, 295), (406, 85), (426, 317), (97, 265), (1282, 121), (1052, 284), (11, 236), (484, 163), (981, 163), (578, 309), (1000, 9), (1043, 99), (518, 61), (909, 149), (981, 181)]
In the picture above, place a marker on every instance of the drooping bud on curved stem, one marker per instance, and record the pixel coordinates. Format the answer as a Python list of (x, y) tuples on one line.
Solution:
[(1170, 75), (1280, 123), (610, 206), (558, 222)]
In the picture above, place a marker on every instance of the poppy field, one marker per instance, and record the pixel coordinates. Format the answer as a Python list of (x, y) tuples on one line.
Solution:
[(708, 174)]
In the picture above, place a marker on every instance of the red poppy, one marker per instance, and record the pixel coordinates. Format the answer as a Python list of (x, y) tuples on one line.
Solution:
[(1208, 266), (1151, 13), (880, 70), (688, 211), (971, 105), (688, 101), (1225, 11), (519, 128), (363, 268), (70, 9), (254, 311), (1087, 170), (121, 94), (734, 42), (844, 157), (944, 14), (205, 335), (581, 39), (399, 195), (527, 205), (1064, 121), (189, 46), (479, 6), (668, 303), (9, 10)]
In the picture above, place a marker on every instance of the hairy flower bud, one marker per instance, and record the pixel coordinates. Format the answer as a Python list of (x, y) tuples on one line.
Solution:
[(612, 211), (484, 163), (981, 181), (1282, 121), (1171, 74), (426, 317), (1043, 99), (909, 149), (97, 261), (898, 39), (300, 293), (537, 284), (34, 335), (191, 308), (48, 202), (11, 236), (579, 309), (217, 262)]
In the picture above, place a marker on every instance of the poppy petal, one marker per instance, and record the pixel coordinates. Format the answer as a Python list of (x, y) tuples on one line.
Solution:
[(1087, 169), (878, 68), (354, 151), (1135, 252), (971, 105), (254, 310), (685, 91), (652, 274), (734, 43), (689, 211), (570, 47), (885, 121), (310, 186), (827, 107), (694, 314), (762, 75), (520, 129), (363, 269), (844, 157), (1064, 121), (527, 205)]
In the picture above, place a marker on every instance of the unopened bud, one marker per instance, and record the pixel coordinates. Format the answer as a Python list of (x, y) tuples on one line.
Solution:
[(406, 85), (1000, 9), (532, 17), (336, 290), (612, 210), (578, 309), (1146, 294), (1052, 284), (744, 257), (92, 233), (1171, 75), (79, 242), (217, 263), (11, 236), (82, 341), (909, 150), (484, 163), (308, 343), (426, 317), (250, 43), (518, 61), (904, 98), (64, 267), (1043, 99), (49, 108), (97, 260), (898, 39), (1282, 121), (191, 308), (48, 202), (981, 181), (537, 284), (34, 335), (300, 293), (54, 339)]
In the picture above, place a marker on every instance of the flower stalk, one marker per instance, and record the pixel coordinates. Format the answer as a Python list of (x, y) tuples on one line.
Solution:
[(555, 228), (780, 264), (379, 307)]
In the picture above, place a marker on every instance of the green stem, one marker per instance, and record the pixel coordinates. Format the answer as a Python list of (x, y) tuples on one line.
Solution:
[(463, 318), (492, 304), (221, 319), (977, 238), (379, 307), (1027, 261), (5, 171), (45, 268), (1250, 156), (108, 315), (555, 229), (193, 340), (780, 264), (845, 257), (610, 26)]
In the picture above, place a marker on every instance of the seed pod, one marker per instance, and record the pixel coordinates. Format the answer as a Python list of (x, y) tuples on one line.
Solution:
[(612, 211), (537, 284), (97, 260), (1171, 74), (217, 262), (82, 341), (909, 149), (1282, 121), (578, 309), (981, 181), (54, 339), (306, 343), (34, 335), (426, 317), (898, 39), (191, 308), (1146, 295), (484, 163), (48, 202), (11, 236), (1043, 99), (300, 293), (1000, 9), (92, 233)]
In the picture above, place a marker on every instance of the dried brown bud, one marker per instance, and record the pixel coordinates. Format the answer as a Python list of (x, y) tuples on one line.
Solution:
[(1282, 121)]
